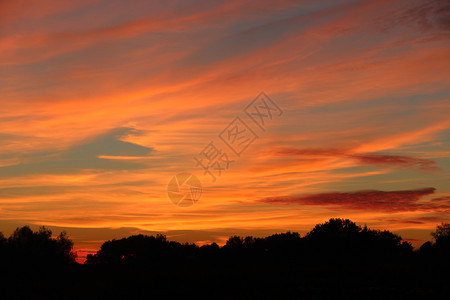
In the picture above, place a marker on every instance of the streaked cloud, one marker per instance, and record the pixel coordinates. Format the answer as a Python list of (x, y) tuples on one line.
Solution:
[(88, 155), (381, 160)]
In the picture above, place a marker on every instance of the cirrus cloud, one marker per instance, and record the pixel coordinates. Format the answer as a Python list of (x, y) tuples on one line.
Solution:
[(379, 160)]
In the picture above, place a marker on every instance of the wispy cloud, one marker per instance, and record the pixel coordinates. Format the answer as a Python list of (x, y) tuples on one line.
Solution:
[(381, 160), (88, 155)]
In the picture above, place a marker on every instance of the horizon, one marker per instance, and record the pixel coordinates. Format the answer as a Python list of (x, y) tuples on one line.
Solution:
[(173, 236), (201, 120), (80, 254)]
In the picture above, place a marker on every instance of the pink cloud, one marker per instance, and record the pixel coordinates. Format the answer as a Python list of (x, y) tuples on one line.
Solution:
[(372, 200)]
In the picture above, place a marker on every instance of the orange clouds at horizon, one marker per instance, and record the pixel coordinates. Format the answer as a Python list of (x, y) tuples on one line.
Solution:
[(103, 102)]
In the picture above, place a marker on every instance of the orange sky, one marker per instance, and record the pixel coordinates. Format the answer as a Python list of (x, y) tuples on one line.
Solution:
[(103, 102)]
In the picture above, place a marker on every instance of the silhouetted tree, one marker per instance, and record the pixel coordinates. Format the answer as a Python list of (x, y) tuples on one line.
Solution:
[(141, 249), (39, 247), (235, 242), (442, 232), (343, 238), (442, 244), (334, 228)]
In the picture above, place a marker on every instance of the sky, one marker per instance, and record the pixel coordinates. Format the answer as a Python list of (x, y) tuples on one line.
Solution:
[(288, 113)]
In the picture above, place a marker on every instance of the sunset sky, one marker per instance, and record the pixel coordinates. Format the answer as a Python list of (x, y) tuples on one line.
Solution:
[(103, 102)]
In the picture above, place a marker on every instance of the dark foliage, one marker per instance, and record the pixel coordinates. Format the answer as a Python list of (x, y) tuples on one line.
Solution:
[(25, 247), (335, 259)]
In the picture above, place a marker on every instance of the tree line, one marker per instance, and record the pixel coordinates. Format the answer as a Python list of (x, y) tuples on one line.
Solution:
[(336, 257)]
